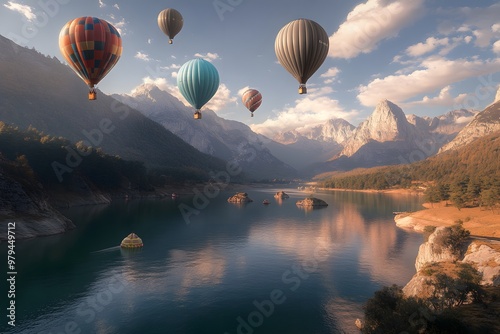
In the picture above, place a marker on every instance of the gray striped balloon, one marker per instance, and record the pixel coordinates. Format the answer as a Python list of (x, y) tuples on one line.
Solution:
[(301, 47)]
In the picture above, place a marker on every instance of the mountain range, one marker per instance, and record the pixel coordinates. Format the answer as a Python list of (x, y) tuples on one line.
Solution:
[(152, 126), (214, 135), (483, 124), (388, 136), (41, 92)]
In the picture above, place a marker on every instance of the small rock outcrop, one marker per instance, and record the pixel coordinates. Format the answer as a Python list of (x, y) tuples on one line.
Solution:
[(311, 202), (281, 195), (359, 324), (240, 198), (431, 251), (433, 258)]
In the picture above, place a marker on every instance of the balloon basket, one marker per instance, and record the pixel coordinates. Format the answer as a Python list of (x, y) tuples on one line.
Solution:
[(302, 90), (92, 95), (170, 41), (252, 115), (197, 115)]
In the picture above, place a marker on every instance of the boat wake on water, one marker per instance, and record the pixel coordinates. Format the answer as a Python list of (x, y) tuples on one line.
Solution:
[(107, 249)]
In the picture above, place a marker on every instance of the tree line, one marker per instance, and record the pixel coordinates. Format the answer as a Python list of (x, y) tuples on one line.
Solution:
[(469, 176), (33, 157)]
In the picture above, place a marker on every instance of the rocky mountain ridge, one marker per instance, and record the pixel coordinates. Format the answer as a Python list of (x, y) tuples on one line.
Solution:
[(484, 123), (41, 92), (225, 139)]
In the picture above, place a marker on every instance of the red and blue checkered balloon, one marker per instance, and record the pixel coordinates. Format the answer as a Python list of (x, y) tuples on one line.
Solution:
[(91, 46)]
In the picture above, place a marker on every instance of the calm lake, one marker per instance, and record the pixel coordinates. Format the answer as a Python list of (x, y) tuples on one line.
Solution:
[(226, 269)]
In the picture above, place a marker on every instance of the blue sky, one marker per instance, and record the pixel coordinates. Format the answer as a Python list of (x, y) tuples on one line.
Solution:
[(429, 57)]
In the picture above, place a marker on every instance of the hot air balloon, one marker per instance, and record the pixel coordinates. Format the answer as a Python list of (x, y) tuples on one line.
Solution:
[(252, 99), (198, 80), (92, 47), (170, 22), (301, 47)]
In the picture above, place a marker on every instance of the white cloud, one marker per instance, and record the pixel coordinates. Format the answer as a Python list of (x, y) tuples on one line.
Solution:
[(464, 120), (161, 83), (482, 22), (312, 109), (101, 4), (218, 102), (119, 25), (371, 22), (432, 74), (444, 98), (24, 10), (430, 44), (171, 67), (331, 72), (496, 47), (208, 57), (142, 56), (164, 84), (221, 99), (116, 6)]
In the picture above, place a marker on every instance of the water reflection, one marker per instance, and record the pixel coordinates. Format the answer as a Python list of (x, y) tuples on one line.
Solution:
[(200, 277)]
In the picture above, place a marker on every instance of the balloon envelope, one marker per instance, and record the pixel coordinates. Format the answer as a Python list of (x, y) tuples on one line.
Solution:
[(170, 22), (252, 99), (91, 46), (301, 47), (198, 81)]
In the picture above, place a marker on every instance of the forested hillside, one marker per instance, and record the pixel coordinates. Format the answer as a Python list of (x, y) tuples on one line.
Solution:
[(472, 170), (32, 157)]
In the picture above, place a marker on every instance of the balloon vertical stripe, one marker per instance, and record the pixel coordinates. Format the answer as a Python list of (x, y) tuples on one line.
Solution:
[(198, 81), (170, 22), (301, 46)]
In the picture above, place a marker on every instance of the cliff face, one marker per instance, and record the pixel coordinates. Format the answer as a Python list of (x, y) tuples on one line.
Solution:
[(32, 214), (387, 123), (430, 251), (483, 257)]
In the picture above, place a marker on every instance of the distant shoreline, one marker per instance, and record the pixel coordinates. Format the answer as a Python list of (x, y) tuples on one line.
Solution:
[(382, 191)]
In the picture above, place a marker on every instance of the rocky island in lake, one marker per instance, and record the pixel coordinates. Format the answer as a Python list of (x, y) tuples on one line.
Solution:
[(281, 195), (311, 202), (240, 198)]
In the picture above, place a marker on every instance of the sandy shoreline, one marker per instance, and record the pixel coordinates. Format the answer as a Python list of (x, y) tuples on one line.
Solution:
[(482, 223)]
